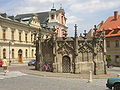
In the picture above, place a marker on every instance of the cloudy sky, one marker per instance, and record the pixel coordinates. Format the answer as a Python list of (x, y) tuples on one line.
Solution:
[(84, 13)]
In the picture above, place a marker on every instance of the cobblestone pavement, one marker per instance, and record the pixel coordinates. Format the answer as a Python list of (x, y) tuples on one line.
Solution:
[(22, 77), (11, 74), (33, 82)]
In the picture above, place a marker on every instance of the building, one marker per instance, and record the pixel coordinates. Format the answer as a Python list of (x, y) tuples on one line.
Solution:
[(74, 54), (17, 37), (111, 27), (18, 34), (54, 18)]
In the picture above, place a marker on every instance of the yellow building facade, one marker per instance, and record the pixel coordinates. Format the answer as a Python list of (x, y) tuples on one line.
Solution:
[(17, 38)]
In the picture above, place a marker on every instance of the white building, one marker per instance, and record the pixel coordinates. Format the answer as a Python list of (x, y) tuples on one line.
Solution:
[(17, 37)]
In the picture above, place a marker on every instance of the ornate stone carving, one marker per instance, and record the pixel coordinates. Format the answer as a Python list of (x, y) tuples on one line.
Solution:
[(65, 48)]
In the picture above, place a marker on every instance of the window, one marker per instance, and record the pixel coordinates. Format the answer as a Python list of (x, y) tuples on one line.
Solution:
[(117, 58), (25, 37), (31, 37), (32, 53), (4, 34), (12, 53), (4, 53), (35, 37), (26, 53), (108, 43), (52, 16), (62, 20), (20, 36), (12, 35), (117, 43)]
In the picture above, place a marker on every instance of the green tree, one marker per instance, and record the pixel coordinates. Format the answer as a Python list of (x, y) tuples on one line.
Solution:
[(108, 58)]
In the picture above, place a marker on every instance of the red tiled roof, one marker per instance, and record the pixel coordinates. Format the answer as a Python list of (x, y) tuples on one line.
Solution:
[(111, 24)]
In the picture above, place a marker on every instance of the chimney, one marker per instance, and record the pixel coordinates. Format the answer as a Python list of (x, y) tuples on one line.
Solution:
[(115, 15)]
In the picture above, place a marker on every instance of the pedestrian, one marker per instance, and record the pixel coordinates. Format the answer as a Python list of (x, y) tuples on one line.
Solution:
[(5, 66)]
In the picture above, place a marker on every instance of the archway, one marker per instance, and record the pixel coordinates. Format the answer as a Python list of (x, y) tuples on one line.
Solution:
[(20, 56), (66, 64)]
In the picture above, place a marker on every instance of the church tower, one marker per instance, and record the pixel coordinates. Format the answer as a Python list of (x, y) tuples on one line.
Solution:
[(57, 19)]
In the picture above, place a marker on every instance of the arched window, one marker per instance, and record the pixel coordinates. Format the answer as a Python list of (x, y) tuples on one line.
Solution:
[(32, 53), (52, 16), (26, 37), (4, 53), (26, 53), (12, 53)]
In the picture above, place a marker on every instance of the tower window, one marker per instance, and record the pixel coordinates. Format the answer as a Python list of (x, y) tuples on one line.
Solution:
[(52, 16)]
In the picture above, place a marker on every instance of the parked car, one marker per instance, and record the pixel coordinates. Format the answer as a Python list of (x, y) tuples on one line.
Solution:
[(32, 63), (113, 83), (1, 63)]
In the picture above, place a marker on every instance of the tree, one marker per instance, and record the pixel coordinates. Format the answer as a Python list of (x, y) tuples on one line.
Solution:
[(108, 59)]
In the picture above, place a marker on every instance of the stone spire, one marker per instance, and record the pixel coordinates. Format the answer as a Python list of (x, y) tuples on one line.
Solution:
[(75, 30)]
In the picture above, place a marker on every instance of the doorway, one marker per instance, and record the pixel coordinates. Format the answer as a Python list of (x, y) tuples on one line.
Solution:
[(20, 56), (66, 64)]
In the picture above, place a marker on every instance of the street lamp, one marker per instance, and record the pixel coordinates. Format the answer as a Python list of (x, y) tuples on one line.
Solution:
[(10, 43)]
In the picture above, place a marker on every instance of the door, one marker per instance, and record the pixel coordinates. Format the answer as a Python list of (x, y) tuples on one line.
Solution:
[(66, 64), (20, 56)]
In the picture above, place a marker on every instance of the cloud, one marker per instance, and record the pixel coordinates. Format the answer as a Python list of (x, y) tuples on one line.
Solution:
[(44, 1), (73, 19), (93, 6)]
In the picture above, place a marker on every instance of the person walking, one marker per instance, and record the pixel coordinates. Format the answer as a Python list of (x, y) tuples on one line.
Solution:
[(5, 66)]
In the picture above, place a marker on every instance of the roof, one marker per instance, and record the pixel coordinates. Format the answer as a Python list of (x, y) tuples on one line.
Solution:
[(43, 16), (111, 23), (111, 26)]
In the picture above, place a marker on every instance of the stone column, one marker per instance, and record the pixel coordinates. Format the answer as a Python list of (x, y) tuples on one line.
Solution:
[(76, 50), (104, 52)]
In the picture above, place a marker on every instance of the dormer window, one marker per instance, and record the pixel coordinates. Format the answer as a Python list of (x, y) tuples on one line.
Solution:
[(52, 16)]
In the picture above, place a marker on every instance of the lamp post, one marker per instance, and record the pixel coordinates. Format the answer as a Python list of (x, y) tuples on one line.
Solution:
[(10, 43), (39, 57)]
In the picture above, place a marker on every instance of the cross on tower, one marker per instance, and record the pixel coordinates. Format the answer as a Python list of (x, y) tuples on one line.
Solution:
[(53, 6)]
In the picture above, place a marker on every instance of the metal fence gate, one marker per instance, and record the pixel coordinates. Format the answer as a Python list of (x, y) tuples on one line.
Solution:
[(66, 64)]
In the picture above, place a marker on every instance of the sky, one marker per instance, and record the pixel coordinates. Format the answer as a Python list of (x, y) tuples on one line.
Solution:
[(84, 13)]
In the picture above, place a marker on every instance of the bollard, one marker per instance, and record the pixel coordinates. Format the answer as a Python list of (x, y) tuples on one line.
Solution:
[(90, 77), (118, 75)]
